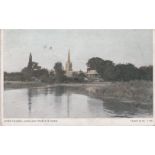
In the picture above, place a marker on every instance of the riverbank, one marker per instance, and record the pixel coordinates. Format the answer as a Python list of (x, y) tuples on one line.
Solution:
[(135, 92), (21, 84), (139, 93)]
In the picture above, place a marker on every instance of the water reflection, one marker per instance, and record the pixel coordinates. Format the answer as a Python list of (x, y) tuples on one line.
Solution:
[(29, 99), (125, 109), (96, 109), (61, 102), (120, 109), (68, 103), (58, 92)]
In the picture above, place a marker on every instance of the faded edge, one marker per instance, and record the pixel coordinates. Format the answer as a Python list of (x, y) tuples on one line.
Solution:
[(73, 121), (153, 76), (0, 78)]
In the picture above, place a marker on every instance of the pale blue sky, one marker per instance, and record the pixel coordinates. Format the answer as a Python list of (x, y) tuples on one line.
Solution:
[(120, 46)]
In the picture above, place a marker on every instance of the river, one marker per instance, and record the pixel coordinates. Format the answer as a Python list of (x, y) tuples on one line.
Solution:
[(60, 102)]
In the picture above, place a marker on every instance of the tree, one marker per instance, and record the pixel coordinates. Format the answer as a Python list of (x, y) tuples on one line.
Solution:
[(96, 64), (27, 74), (126, 72), (79, 76), (59, 72), (51, 76), (146, 73), (105, 68), (34, 71), (14, 76), (41, 74), (120, 72), (108, 71)]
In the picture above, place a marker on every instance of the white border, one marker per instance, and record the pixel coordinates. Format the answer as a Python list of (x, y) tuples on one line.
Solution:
[(154, 75), (75, 121), (1, 76)]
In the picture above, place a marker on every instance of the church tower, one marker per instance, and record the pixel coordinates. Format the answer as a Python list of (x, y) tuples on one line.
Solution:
[(68, 63), (30, 62)]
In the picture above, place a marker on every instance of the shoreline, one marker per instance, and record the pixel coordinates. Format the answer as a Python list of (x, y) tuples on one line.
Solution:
[(139, 93), (20, 84)]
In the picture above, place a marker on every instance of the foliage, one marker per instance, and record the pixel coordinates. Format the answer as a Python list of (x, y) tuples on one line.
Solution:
[(126, 72), (35, 73), (104, 67), (41, 74), (14, 76), (79, 77), (120, 72), (59, 72), (107, 70), (146, 73), (51, 77)]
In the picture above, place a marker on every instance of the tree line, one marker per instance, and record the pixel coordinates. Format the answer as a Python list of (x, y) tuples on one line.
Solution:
[(37, 73), (107, 70), (110, 71)]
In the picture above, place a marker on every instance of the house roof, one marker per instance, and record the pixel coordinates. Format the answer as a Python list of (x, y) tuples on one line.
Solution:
[(92, 72)]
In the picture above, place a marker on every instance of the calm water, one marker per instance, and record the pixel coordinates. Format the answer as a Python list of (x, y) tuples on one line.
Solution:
[(60, 102)]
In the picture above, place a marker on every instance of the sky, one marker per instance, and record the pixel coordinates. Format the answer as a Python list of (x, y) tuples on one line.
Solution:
[(51, 46)]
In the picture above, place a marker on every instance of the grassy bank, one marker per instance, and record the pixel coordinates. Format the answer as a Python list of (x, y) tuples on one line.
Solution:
[(139, 92), (135, 92), (21, 84)]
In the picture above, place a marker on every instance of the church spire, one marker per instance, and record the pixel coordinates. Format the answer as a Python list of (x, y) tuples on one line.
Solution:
[(30, 61), (69, 56), (68, 63)]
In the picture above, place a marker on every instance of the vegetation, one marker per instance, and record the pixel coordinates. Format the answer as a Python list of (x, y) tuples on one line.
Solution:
[(107, 70), (59, 72), (104, 67), (138, 92), (119, 72), (126, 82), (14, 76)]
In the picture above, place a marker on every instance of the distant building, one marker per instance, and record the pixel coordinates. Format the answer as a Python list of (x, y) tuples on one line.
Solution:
[(30, 63), (92, 74), (28, 72), (68, 69)]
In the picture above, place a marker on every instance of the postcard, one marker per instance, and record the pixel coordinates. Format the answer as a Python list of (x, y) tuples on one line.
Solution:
[(77, 77)]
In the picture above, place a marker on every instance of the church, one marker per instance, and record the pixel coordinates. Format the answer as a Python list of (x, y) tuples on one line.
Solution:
[(90, 74), (68, 67)]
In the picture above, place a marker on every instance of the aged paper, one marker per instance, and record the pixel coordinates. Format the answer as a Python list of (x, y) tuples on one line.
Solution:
[(77, 77), (0, 78)]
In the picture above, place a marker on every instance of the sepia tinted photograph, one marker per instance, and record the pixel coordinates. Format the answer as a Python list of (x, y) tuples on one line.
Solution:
[(78, 73)]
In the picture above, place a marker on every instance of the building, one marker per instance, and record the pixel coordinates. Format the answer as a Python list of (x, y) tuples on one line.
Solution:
[(92, 74), (28, 72), (32, 65), (68, 68)]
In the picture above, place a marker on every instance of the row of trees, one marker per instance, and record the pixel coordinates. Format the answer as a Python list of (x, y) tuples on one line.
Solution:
[(35, 73), (60, 74), (106, 69), (119, 72)]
